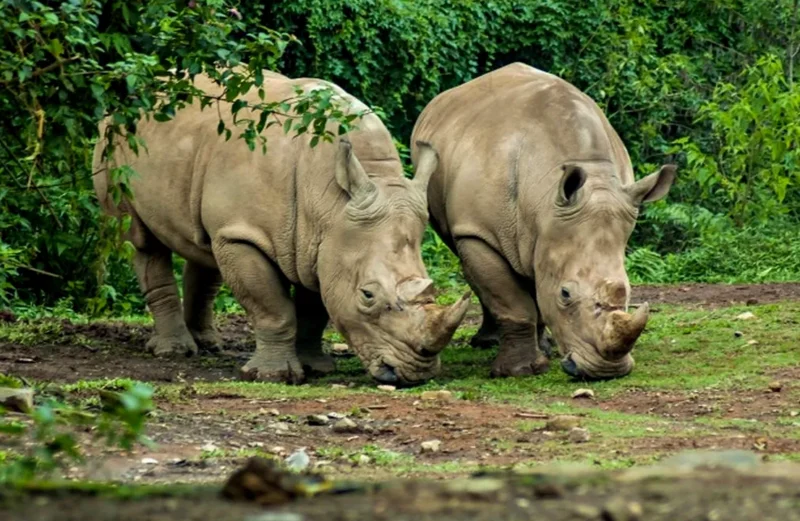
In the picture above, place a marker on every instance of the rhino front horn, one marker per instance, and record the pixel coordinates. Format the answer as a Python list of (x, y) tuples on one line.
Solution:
[(622, 330), (441, 323)]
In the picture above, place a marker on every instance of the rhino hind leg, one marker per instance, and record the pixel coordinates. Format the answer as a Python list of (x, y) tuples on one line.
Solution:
[(263, 291), (312, 318), (153, 268), (200, 288), (512, 306), (488, 334)]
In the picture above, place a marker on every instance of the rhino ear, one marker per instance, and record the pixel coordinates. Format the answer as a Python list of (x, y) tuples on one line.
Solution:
[(653, 187), (349, 173), (427, 163), (571, 182)]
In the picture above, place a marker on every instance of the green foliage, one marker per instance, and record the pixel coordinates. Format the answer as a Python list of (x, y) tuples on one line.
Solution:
[(53, 427)]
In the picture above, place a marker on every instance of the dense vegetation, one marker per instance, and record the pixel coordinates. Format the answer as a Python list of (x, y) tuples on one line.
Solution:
[(709, 84)]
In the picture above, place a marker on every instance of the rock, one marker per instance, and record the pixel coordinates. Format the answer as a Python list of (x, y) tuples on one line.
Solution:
[(475, 487), (363, 459), (794, 414), (389, 388), (274, 412), (578, 435), (583, 393), (209, 447), (747, 315), (345, 425), (277, 450), (440, 396), (752, 342), (738, 334), (318, 419), (335, 416), (281, 427), (431, 446), (20, 400), (338, 386), (751, 302), (149, 461), (562, 423), (298, 460), (775, 387), (619, 509), (587, 511), (340, 349)]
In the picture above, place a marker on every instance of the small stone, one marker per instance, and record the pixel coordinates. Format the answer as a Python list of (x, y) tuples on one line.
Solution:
[(583, 393), (340, 349), (747, 315), (274, 412), (794, 414), (278, 450), (619, 509), (256, 444), (751, 302), (431, 446), (439, 396), (363, 459), (335, 416), (20, 400), (149, 461), (388, 388), (738, 334), (578, 435), (587, 511), (338, 386), (483, 486), (562, 423), (209, 447), (345, 425), (298, 460), (281, 427), (318, 419), (775, 387), (752, 342)]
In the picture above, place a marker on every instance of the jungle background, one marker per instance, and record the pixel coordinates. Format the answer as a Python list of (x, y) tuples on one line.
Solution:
[(710, 85)]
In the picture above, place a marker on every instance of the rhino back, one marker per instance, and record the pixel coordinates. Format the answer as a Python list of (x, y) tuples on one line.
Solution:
[(193, 186), (501, 139)]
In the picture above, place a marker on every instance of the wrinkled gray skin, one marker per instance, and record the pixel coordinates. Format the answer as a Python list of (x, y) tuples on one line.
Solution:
[(535, 193), (339, 223)]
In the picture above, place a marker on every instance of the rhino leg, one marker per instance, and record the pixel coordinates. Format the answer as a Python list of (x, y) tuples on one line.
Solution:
[(312, 317), (488, 335), (200, 288), (506, 298), (263, 291), (154, 269)]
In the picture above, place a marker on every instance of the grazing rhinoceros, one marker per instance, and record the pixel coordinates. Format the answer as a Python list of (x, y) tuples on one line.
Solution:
[(535, 192), (339, 223)]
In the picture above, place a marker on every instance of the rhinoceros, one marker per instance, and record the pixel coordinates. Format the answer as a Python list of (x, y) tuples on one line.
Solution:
[(339, 224), (535, 193)]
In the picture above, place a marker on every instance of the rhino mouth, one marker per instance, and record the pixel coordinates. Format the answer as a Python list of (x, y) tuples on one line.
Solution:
[(586, 370)]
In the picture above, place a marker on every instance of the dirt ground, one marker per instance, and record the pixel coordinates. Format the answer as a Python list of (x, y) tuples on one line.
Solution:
[(204, 430)]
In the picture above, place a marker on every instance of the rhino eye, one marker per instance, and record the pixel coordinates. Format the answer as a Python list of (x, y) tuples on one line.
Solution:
[(367, 294), (565, 294)]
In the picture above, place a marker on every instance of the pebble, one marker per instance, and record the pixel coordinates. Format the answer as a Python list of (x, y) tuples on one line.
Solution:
[(794, 414), (431, 446), (209, 447), (274, 412), (583, 393), (562, 423), (440, 396), (281, 426), (20, 400), (747, 315), (318, 419), (738, 334), (775, 387), (475, 486), (345, 425), (618, 509), (587, 511), (149, 461), (340, 349), (578, 435), (335, 416), (387, 388), (338, 386), (752, 342), (363, 459), (278, 450)]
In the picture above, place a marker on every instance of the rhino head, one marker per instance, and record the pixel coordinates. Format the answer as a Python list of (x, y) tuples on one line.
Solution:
[(372, 278), (582, 287)]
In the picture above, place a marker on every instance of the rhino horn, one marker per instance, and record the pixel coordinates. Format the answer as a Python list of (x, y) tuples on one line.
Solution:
[(415, 290), (622, 330), (441, 323)]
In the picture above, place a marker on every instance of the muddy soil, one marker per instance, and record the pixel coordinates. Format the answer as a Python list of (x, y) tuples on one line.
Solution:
[(716, 295)]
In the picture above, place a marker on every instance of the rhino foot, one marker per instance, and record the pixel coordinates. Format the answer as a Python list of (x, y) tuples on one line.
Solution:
[(179, 345), (505, 367), (320, 364), (287, 371), (208, 341), (483, 340)]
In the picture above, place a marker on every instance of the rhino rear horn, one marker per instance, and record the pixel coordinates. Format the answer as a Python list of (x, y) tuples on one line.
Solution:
[(349, 173)]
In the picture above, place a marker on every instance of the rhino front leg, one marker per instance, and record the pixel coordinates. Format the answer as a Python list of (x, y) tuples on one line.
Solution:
[(263, 291), (200, 288), (512, 307), (312, 317), (489, 334), (154, 270)]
